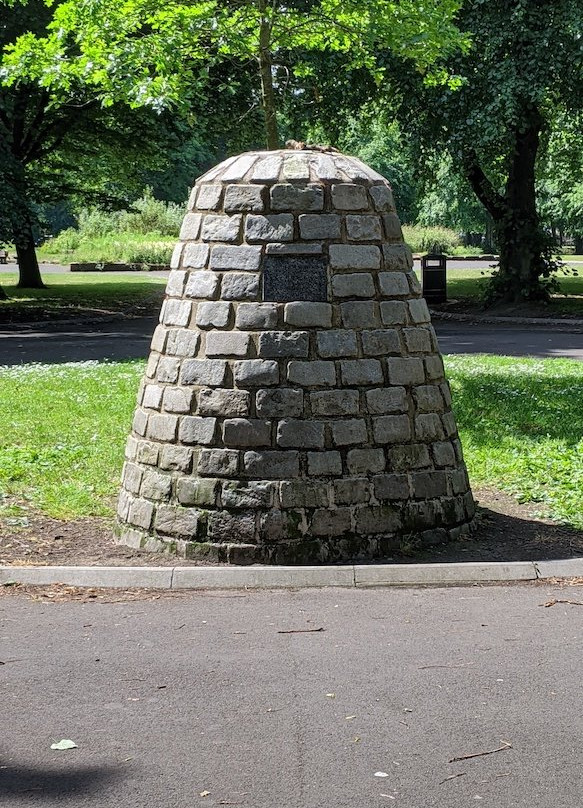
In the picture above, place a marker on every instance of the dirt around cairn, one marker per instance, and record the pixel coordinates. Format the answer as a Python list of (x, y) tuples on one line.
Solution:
[(506, 531)]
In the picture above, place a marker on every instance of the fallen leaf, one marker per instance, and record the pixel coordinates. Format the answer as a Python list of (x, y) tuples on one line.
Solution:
[(64, 744), (381, 774)]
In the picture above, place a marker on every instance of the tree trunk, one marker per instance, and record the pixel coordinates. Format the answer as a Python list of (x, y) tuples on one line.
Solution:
[(29, 276), (578, 240), (3, 295), (265, 65)]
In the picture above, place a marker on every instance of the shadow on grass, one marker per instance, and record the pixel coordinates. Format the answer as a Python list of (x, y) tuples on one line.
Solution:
[(27, 783)]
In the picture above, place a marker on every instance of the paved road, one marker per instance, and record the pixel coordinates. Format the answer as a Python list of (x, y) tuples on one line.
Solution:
[(172, 698), (130, 339)]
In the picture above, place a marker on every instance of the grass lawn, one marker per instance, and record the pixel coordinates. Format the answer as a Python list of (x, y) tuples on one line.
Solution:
[(63, 430), (148, 248)]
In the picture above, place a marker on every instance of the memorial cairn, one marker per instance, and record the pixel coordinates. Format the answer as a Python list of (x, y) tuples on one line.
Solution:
[(294, 407)]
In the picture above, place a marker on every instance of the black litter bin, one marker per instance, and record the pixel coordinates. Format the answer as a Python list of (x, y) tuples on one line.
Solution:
[(433, 274)]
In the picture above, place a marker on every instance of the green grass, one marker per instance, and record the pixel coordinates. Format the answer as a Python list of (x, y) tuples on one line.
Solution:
[(148, 248), (63, 430), (86, 291)]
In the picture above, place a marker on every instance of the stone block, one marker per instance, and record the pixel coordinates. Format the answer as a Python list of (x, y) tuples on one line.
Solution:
[(391, 429), (418, 340), (429, 484), (414, 456), (393, 284), (246, 432), (176, 256), (272, 464), (392, 227), (140, 422), (391, 486), (418, 311), (361, 372), (434, 367), (348, 256), (353, 284), (251, 494), (296, 166), (168, 369), (394, 312), (319, 226), (274, 344), (156, 486), (365, 461), (428, 398), (363, 228), (237, 168), (195, 256), (304, 314), (330, 522), (218, 462), (406, 370), (304, 494), (256, 316), (190, 227), (152, 397), (178, 399), (324, 464), (173, 520), (381, 342), (256, 373), (176, 281), (243, 258), (315, 373), (244, 198), (292, 434), (131, 448), (159, 338), (351, 491), (124, 502), (209, 196), (195, 491), (267, 169), (347, 196), (444, 454), (286, 196), (225, 403), (278, 227), (182, 342), (131, 477), (201, 285), (152, 363), (175, 458), (360, 314), (209, 372), (386, 399), (176, 312), (147, 453), (227, 343), (221, 228), (296, 248), (337, 343), (213, 315), (162, 427), (224, 526), (280, 403), (141, 513), (382, 197), (238, 286), (196, 430), (397, 257), (334, 402), (349, 432), (459, 481), (428, 427), (446, 393), (377, 519)]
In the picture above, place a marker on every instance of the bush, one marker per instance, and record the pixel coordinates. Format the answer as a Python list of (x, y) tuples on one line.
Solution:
[(431, 239), (149, 215)]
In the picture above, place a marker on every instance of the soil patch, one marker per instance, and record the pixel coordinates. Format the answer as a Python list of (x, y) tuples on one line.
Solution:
[(505, 531)]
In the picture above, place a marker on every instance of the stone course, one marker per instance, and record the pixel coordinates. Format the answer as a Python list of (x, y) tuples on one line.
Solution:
[(294, 407)]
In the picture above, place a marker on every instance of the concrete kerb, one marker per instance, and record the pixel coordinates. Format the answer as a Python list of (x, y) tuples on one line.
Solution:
[(259, 577)]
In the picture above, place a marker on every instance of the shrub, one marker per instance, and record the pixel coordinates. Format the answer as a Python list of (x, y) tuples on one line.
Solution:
[(431, 239), (149, 215)]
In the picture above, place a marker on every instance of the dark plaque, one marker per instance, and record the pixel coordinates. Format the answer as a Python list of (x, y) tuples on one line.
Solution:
[(294, 277)]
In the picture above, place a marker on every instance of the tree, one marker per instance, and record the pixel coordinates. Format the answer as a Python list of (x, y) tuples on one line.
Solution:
[(526, 63)]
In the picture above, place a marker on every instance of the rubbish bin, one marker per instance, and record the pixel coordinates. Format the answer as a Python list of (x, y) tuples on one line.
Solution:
[(433, 273)]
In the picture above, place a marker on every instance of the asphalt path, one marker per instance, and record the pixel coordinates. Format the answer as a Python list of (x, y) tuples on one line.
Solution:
[(435, 697), (130, 339)]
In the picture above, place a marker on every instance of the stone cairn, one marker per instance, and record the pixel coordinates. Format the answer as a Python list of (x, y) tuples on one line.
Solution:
[(294, 407)]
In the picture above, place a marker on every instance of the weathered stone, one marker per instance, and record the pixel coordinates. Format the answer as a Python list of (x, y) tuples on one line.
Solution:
[(382, 197), (194, 491), (176, 281), (393, 284), (201, 285), (429, 484), (331, 522), (397, 256), (218, 462), (351, 491), (195, 256), (296, 166), (256, 316), (162, 427), (444, 454), (238, 168), (417, 340), (363, 228), (381, 342), (349, 432), (227, 403), (237, 286), (414, 456), (147, 452), (446, 393), (176, 256), (347, 256), (221, 228), (152, 397), (294, 197), (334, 402), (210, 372), (347, 196), (365, 461), (278, 227), (213, 315), (182, 342), (386, 399), (168, 369), (428, 398), (272, 465), (175, 458), (227, 343), (274, 344), (297, 248), (304, 494), (224, 526), (391, 429), (252, 494), (319, 226), (392, 225), (434, 368), (308, 315), (176, 312), (209, 196), (196, 430), (141, 513), (405, 371), (246, 432), (391, 486), (267, 169), (293, 434), (379, 519), (190, 227), (132, 477), (418, 311), (176, 521), (315, 373), (256, 373), (241, 258), (428, 427), (361, 371), (159, 339), (244, 198), (393, 312), (131, 448), (360, 314), (336, 343), (353, 284), (152, 364), (156, 486), (281, 403), (324, 464)]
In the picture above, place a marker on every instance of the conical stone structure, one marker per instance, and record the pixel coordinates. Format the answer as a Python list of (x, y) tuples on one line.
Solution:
[(294, 407)]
